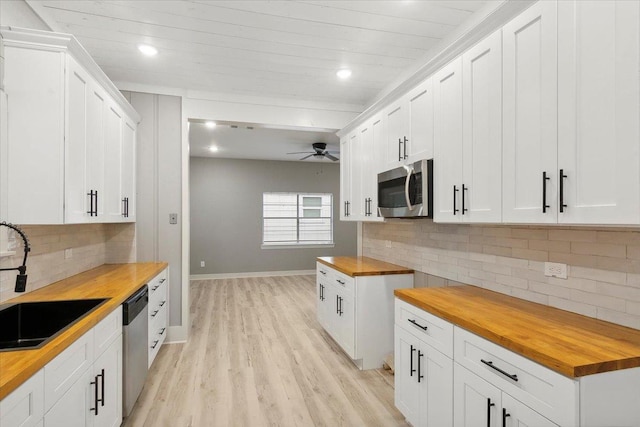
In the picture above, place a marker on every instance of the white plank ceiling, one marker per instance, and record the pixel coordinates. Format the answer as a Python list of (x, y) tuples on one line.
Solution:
[(284, 49)]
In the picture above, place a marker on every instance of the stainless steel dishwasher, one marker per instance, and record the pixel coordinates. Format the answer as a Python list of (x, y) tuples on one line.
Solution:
[(135, 355)]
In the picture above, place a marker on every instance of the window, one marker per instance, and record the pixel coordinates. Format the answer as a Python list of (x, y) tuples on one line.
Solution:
[(297, 219)]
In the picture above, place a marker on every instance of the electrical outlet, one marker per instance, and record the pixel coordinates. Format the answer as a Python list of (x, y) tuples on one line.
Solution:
[(201, 263), (387, 243), (553, 269), (68, 253)]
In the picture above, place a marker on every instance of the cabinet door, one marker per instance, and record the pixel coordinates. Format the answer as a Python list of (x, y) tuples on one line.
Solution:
[(420, 127), (530, 115), (516, 414), (447, 90), (406, 387), (396, 118), (113, 156), (108, 369), (435, 372), (24, 406), (323, 303), (599, 111), (345, 177), (96, 107), (482, 131), (365, 160), (476, 402), (345, 323), (356, 207), (76, 141), (376, 164), (128, 167), (76, 408)]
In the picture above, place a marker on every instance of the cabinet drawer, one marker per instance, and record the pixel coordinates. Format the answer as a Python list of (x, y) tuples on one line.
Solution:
[(107, 330), (342, 281), (431, 329), (547, 392), (67, 367), (25, 405), (324, 274), (157, 289)]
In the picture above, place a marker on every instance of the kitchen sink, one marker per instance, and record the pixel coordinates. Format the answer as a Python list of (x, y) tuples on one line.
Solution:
[(30, 325)]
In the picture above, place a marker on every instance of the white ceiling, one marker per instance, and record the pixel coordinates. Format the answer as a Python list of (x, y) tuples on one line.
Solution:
[(247, 141), (283, 49)]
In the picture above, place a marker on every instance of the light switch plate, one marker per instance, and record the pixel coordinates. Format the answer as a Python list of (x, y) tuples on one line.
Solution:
[(554, 269), (68, 253), (173, 218)]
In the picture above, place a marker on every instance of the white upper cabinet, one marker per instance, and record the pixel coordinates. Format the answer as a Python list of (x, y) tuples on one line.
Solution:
[(345, 176), (482, 131), (65, 158), (599, 111), (530, 116), (410, 127), (447, 89), (468, 135)]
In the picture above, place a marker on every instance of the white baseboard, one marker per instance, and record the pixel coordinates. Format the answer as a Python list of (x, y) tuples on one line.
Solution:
[(251, 274)]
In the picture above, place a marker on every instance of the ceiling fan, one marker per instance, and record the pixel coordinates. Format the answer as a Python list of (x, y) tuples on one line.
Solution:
[(320, 150)]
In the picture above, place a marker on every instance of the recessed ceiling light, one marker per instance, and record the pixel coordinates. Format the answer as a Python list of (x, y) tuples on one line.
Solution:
[(213, 149), (147, 50), (344, 73), (210, 125)]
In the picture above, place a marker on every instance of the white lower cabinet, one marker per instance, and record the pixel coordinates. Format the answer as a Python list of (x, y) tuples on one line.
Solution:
[(447, 376), (158, 313), (358, 312), (82, 386), (24, 407)]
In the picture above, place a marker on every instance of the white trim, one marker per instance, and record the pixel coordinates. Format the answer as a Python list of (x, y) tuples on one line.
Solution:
[(296, 246), (176, 335), (252, 274)]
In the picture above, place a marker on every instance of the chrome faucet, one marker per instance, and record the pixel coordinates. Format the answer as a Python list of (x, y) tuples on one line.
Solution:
[(21, 279)]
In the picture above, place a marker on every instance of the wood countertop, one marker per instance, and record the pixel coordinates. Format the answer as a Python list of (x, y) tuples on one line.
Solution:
[(114, 281), (362, 266), (568, 343)]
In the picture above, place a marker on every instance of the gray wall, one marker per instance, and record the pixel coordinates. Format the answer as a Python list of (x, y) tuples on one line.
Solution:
[(158, 182), (226, 214)]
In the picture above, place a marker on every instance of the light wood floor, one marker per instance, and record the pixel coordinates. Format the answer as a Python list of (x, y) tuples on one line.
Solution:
[(257, 356)]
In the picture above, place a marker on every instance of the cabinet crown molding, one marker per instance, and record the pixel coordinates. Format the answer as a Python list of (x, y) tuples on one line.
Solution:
[(61, 42)]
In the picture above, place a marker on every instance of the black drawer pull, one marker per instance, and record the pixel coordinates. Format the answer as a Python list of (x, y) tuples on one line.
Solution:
[(505, 373), (155, 287), (323, 272), (411, 370), (154, 313), (489, 405), (162, 281), (155, 344), (424, 328), (162, 331), (162, 303), (420, 355), (340, 281), (505, 414), (545, 178)]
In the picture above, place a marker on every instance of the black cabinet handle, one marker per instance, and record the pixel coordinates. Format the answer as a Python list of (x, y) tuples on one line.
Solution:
[(404, 148), (337, 304), (155, 287), (505, 415), (545, 178), (340, 312), (154, 313), (95, 394), (489, 405), (411, 370), (155, 344), (162, 331), (464, 188), (321, 292), (424, 328), (162, 281), (455, 192), (562, 177), (340, 281), (101, 375), (420, 355), (399, 149), (93, 203), (96, 207), (125, 207), (490, 364), (163, 303)]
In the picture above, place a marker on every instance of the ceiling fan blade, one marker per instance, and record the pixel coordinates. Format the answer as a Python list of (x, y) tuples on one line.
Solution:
[(330, 156), (306, 157), (303, 152)]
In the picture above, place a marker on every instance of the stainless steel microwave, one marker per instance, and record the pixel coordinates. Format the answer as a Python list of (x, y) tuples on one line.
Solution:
[(406, 191)]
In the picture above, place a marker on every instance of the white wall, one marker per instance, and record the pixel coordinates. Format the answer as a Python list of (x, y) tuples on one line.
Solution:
[(17, 13)]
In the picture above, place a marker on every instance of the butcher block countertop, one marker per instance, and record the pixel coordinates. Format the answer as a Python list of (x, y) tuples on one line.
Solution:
[(362, 266), (114, 281), (568, 343)]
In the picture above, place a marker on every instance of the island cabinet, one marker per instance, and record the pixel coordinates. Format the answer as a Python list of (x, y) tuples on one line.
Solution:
[(157, 312), (469, 357), (355, 305)]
